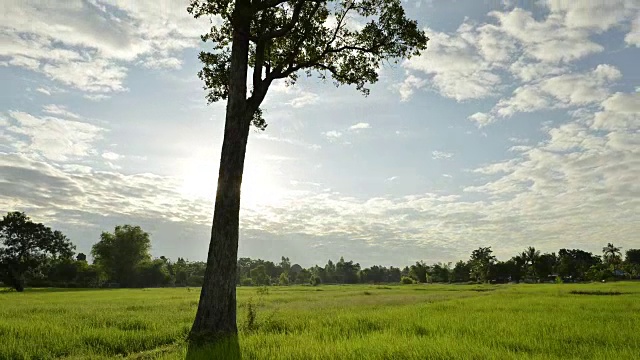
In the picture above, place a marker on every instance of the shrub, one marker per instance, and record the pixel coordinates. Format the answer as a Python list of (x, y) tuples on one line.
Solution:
[(251, 315), (559, 280), (406, 280), (284, 279), (246, 282), (315, 280), (262, 290)]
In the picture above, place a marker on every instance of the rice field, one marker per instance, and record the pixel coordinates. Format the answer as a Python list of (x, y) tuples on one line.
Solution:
[(543, 321)]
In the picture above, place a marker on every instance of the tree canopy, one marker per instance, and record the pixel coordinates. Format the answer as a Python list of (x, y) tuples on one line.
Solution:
[(26, 245), (346, 41), (121, 253)]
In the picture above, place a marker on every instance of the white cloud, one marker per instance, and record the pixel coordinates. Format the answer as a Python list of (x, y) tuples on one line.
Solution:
[(518, 140), (96, 97), (332, 135), (53, 138), (548, 40), (111, 155), (166, 63), (44, 91), (92, 76), (560, 91), (305, 98), (85, 44), (633, 37), (597, 15), (620, 112), (59, 110), (298, 96), (392, 179), (455, 66), (360, 126), (481, 119), (441, 155), (408, 86), (295, 142)]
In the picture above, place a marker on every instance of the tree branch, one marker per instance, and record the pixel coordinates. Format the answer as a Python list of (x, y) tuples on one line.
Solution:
[(266, 4), (289, 26)]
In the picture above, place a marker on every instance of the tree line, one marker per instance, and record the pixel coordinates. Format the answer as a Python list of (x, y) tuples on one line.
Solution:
[(32, 254)]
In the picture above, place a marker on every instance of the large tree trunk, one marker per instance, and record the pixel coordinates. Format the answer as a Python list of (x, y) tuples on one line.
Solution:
[(216, 316), (16, 280)]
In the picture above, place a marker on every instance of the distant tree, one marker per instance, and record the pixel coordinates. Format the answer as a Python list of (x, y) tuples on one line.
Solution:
[(407, 280), (504, 271), (180, 271), (461, 271), (419, 271), (303, 277), (284, 279), (329, 273), (574, 263), (519, 268), (284, 268), (632, 256), (26, 245), (315, 280), (347, 271), (279, 39), (545, 266), (612, 255), (442, 272), (121, 253), (81, 257), (481, 262), (530, 257), (259, 275), (153, 273)]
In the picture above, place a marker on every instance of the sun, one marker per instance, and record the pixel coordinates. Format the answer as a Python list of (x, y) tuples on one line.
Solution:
[(259, 187)]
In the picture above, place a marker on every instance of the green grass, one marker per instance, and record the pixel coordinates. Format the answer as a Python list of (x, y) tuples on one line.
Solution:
[(334, 322)]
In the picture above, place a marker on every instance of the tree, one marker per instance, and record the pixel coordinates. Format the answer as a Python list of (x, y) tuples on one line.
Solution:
[(303, 277), (530, 257), (545, 265), (278, 39), (81, 257), (259, 275), (612, 255), (632, 256), (347, 271), (481, 262), (26, 245), (575, 263), (153, 273), (419, 271), (441, 272), (120, 253), (461, 271), (284, 279)]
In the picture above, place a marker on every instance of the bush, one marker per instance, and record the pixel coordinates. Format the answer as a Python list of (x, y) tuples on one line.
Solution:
[(559, 280), (407, 280), (246, 282), (262, 290), (284, 279), (315, 280)]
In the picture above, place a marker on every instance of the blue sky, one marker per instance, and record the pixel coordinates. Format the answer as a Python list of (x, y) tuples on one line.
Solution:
[(518, 126)]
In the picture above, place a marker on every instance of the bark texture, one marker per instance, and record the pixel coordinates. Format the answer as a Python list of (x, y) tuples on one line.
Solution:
[(216, 315)]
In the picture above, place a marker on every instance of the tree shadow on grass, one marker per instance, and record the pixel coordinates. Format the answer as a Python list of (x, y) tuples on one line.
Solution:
[(227, 348)]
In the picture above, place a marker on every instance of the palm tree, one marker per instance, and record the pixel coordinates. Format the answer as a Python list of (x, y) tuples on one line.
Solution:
[(612, 254), (531, 256)]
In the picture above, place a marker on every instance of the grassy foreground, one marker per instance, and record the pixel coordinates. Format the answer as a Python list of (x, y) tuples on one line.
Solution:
[(334, 322)]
